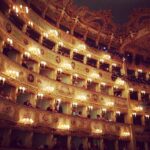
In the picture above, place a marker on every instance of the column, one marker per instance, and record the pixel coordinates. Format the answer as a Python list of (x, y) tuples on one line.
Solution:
[(116, 145), (50, 141), (132, 140), (41, 39), (101, 144), (24, 28), (69, 142), (6, 138), (85, 143), (28, 140), (146, 145), (85, 59)]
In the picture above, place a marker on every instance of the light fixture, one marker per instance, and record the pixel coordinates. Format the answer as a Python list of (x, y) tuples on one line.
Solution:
[(66, 65), (106, 56), (10, 41), (104, 109), (35, 50), (139, 108), (110, 103), (134, 114), (103, 83), (94, 75), (147, 116), (88, 55), (53, 32), (90, 107), (49, 89), (81, 46), (101, 60), (2, 80), (12, 73), (131, 89), (76, 75), (118, 112), (125, 134), (40, 95), (27, 54), (63, 126), (143, 92), (81, 97), (30, 23), (43, 63), (140, 70), (74, 104), (114, 65), (26, 10), (59, 70), (26, 121), (21, 89), (98, 131)]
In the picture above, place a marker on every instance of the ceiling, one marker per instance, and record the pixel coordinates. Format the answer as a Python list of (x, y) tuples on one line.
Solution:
[(121, 9)]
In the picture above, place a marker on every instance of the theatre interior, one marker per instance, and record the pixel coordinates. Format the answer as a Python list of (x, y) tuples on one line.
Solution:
[(73, 78)]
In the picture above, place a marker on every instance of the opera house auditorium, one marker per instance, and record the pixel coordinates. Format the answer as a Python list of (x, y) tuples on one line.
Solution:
[(73, 79)]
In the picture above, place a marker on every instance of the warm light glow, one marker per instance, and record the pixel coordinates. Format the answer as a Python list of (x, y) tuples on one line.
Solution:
[(88, 55), (2, 80), (53, 32), (139, 108), (16, 9), (101, 60), (74, 104), (81, 97), (134, 114), (43, 63), (64, 126), (98, 131), (59, 100), (115, 65), (66, 65), (12, 73), (49, 89), (40, 95), (76, 75), (106, 56), (143, 92), (109, 103), (119, 81), (27, 54), (45, 34), (30, 23), (27, 10), (147, 116), (131, 89), (104, 109), (59, 70), (75, 50), (103, 83), (94, 75), (35, 50), (26, 121), (118, 112), (125, 134), (140, 70), (22, 89), (10, 41), (89, 80), (60, 43), (90, 107), (81, 46)]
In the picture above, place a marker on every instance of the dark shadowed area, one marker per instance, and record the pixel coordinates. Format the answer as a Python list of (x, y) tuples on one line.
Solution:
[(121, 9)]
